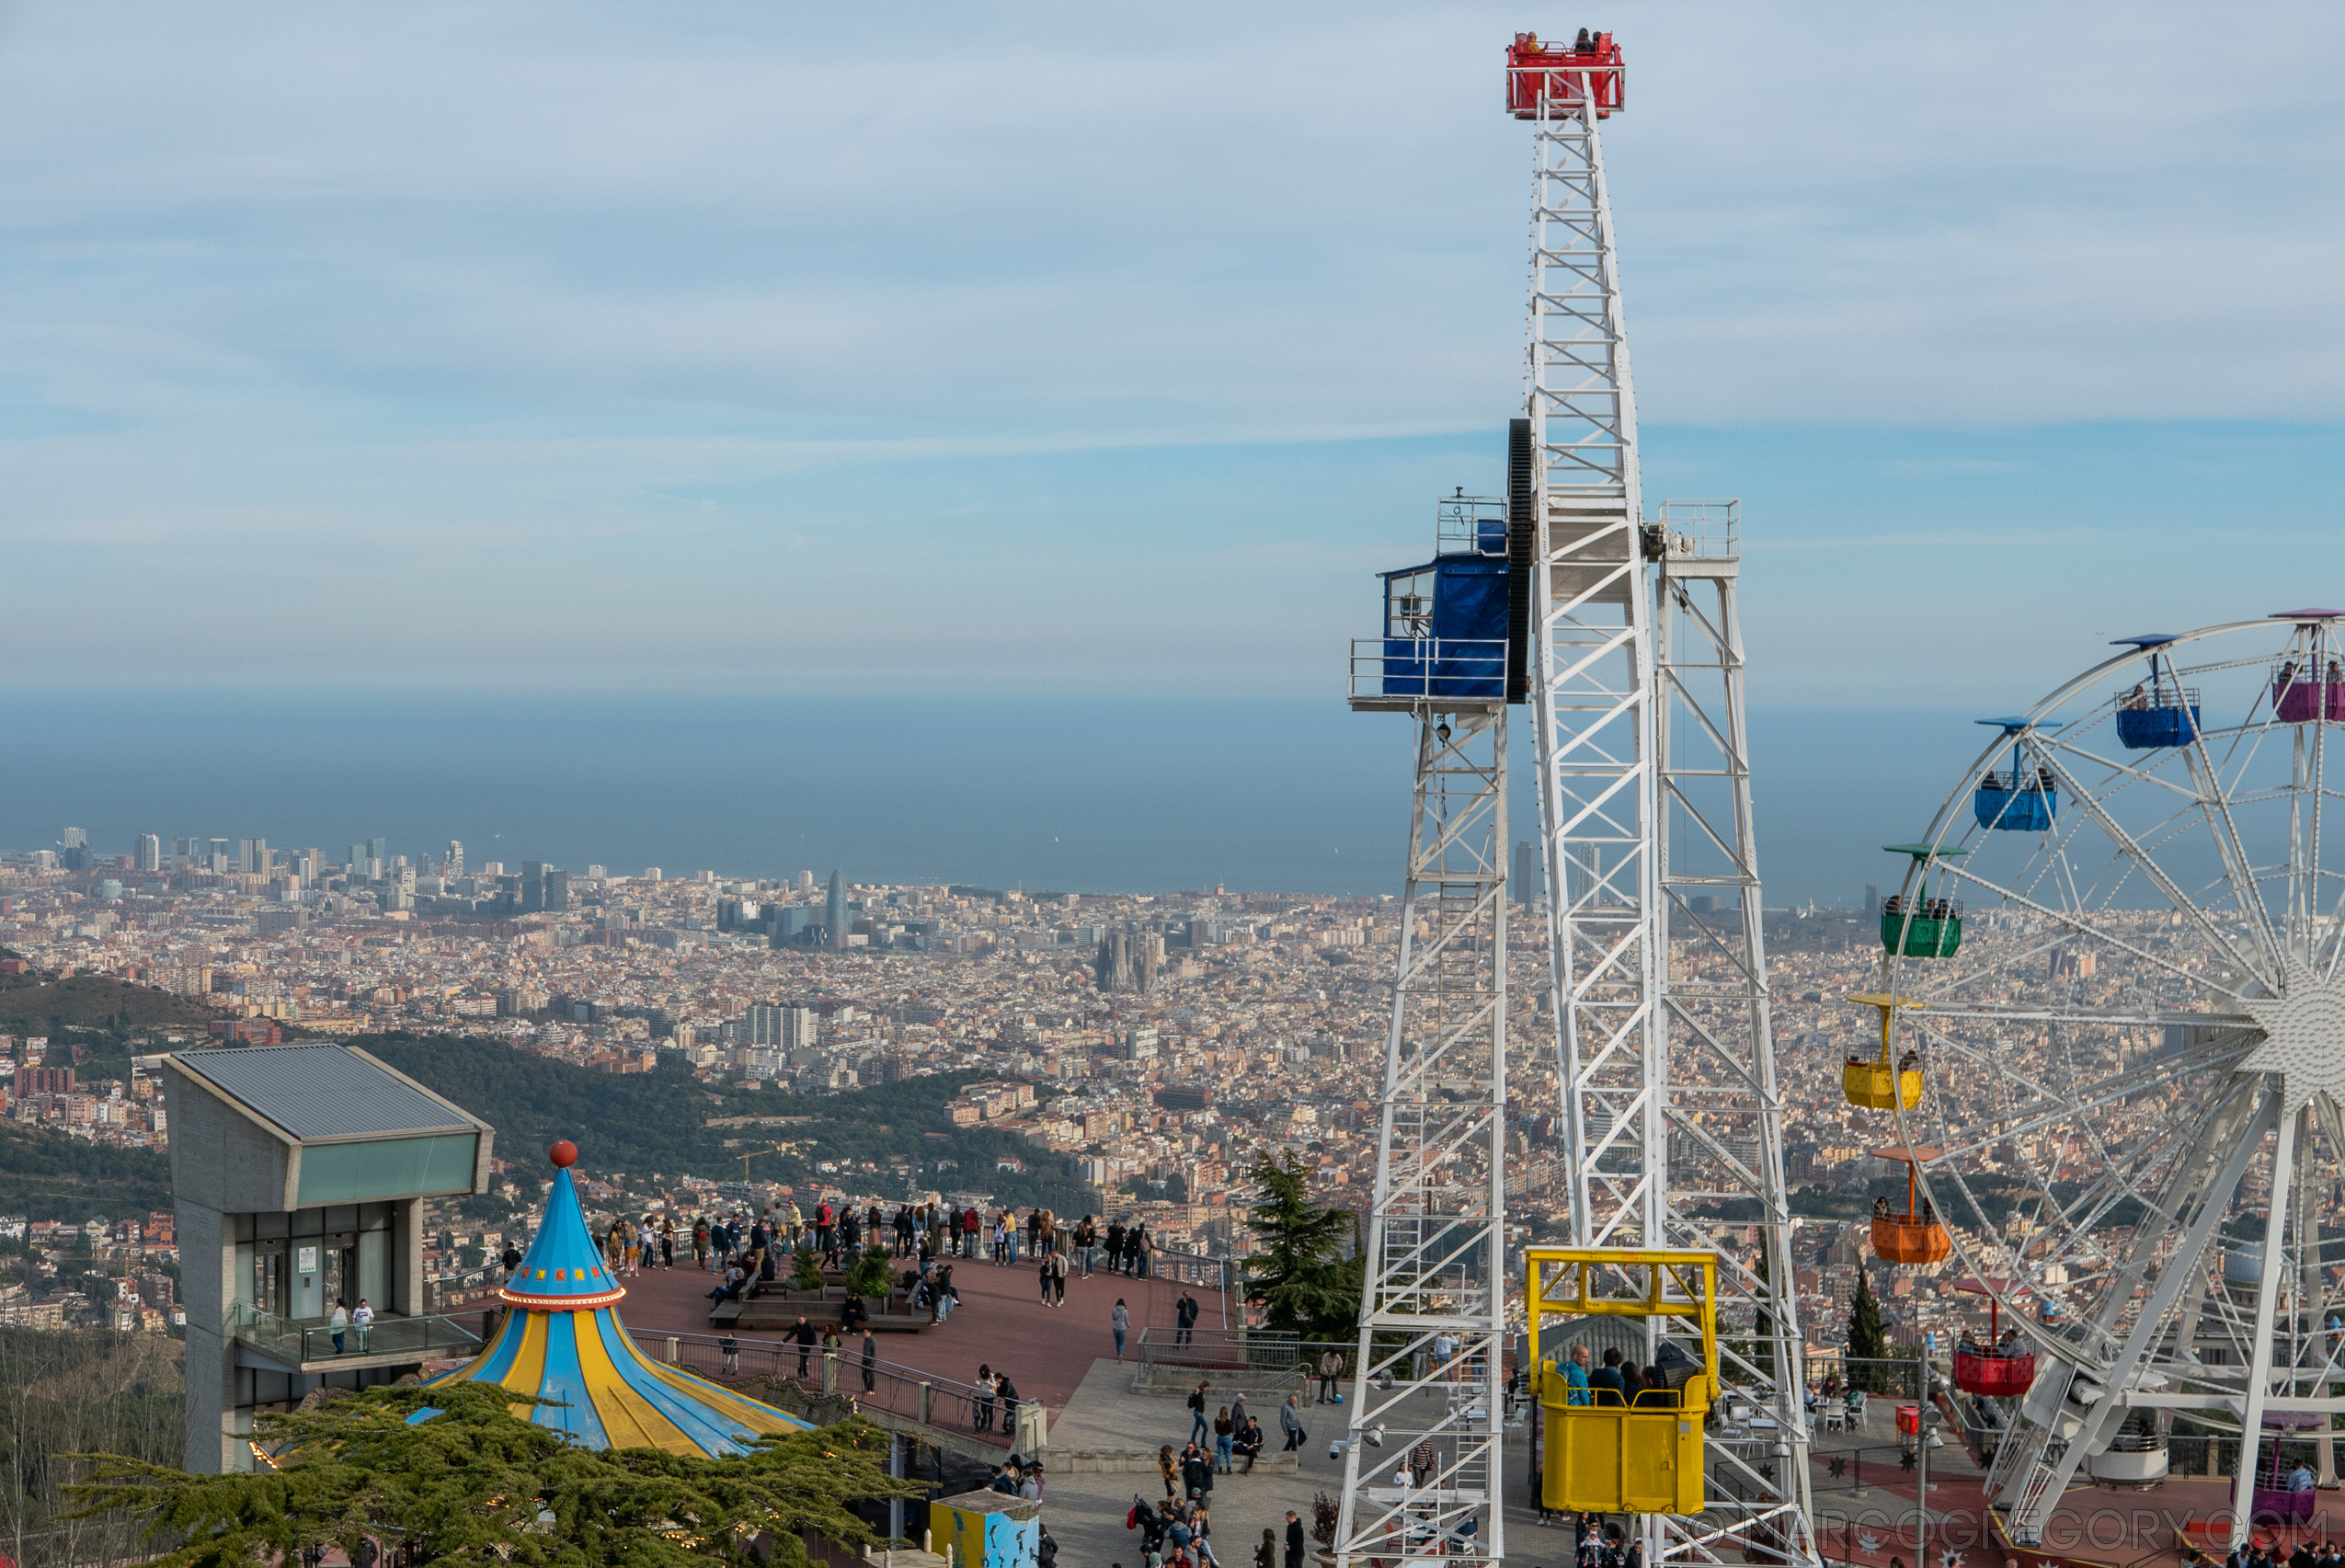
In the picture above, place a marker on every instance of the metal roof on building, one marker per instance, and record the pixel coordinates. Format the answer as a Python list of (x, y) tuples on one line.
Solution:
[(326, 1091)]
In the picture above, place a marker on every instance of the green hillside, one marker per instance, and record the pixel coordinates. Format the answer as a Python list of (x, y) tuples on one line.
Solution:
[(48, 1175), (656, 1122)]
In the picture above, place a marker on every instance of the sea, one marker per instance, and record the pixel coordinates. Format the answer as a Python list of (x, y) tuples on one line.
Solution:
[(1083, 794)]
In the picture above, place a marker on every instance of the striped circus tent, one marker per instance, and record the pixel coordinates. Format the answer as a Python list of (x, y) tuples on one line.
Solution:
[(562, 1341)]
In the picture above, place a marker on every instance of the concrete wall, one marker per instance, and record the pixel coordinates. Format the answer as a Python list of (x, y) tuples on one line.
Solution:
[(221, 1158), (207, 1287)]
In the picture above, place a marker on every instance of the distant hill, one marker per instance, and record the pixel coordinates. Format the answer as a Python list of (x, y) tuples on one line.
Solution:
[(656, 1122), (53, 1008), (50, 1175)]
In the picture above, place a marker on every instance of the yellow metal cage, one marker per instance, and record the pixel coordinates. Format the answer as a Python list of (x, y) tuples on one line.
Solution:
[(1601, 1452)]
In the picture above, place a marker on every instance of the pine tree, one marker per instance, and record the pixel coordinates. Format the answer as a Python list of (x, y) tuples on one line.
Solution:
[(1868, 1340), (475, 1481), (1299, 1275)]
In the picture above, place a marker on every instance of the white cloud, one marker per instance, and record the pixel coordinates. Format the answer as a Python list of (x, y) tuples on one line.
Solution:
[(531, 311)]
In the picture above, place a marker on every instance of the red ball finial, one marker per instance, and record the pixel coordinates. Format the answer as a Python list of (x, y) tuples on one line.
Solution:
[(563, 1154)]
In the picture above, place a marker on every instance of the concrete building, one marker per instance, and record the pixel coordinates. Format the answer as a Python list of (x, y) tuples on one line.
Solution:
[(297, 1171), (834, 914)]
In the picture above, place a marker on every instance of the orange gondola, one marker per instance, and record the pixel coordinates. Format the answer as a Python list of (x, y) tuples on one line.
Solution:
[(1883, 1085), (1914, 1236)]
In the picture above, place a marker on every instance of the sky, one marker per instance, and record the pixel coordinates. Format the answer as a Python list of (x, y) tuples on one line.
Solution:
[(1025, 351)]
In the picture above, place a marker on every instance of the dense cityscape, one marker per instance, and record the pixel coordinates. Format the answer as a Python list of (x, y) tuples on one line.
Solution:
[(1176, 1035)]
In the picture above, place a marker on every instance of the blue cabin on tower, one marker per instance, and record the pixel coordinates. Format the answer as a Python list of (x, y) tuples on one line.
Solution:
[(1445, 622)]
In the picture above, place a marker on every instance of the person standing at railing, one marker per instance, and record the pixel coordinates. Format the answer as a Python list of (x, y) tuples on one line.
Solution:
[(732, 1349), (1115, 1247), (1087, 1241), (1185, 1318), (339, 1323), (982, 1400), (360, 1322), (700, 1242), (1141, 1248)]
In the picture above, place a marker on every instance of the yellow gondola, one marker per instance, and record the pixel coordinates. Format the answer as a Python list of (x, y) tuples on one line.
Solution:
[(1597, 1452), (1883, 1085)]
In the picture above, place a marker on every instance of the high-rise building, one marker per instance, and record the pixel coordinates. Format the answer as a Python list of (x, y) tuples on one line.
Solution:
[(358, 858), (453, 867), (834, 913), (75, 849), (557, 890), (150, 853), (1872, 900), (1525, 873), (805, 881), (76, 839), (786, 1028), (533, 886), (376, 848), (244, 856)]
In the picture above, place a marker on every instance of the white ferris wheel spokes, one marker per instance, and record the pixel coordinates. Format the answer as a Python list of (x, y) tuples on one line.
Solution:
[(2118, 962)]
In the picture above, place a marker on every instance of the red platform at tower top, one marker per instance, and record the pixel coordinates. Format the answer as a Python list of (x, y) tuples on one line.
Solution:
[(1564, 75)]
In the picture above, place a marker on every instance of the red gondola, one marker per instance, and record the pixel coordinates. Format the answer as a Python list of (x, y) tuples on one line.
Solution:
[(1993, 1369)]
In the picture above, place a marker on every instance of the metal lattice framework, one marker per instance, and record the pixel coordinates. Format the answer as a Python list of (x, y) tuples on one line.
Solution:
[(1636, 684), (1435, 1236), (2135, 1057)]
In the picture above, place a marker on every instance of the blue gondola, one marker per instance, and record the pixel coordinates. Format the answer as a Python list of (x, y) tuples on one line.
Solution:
[(2159, 711), (2017, 799)]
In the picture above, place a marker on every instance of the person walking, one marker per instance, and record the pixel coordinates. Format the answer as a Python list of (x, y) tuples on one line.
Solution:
[(1042, 1272), (1267, 1554), (732, 1349), (360, 1322), (1121, 1318), (339, 1323), (1184, 1317), (700, 1242), (1331, 1367), (1200, 1428), (1294, 1540), (1058, 1279), (1290, 1422), (1169, 1471)]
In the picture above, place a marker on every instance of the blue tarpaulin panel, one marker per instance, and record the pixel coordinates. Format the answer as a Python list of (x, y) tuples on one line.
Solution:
[(1467, 657)]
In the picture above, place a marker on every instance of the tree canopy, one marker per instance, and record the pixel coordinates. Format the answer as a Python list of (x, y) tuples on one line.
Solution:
[(472, 1481), (1299, 1275), (1868, 1340)]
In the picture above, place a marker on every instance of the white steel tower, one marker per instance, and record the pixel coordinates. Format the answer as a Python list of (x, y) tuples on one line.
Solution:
[(1656, 953), (1426, 1394)]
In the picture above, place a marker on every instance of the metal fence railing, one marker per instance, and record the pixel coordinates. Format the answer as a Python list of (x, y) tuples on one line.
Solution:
[(904, 1391)]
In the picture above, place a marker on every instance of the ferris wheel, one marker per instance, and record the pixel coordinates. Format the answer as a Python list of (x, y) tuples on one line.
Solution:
[(2112, 1046)]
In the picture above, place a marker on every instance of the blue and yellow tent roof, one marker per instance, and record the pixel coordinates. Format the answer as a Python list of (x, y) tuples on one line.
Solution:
[(562, 1341)]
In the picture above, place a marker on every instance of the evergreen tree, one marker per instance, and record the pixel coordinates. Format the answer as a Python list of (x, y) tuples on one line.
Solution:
[(1868, 1340), (1298, 1275), (475, 1482)]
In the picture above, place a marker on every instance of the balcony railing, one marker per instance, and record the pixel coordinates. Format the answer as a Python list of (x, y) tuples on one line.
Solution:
[(1438, 669), (304, 1340)]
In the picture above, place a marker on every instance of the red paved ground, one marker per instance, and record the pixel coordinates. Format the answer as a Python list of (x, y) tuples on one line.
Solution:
[(1000, 1321)]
